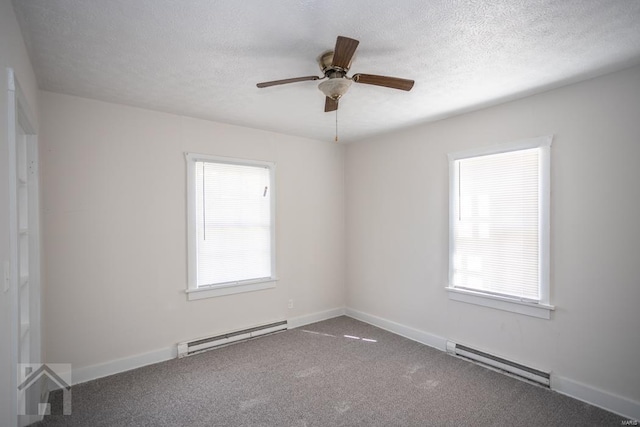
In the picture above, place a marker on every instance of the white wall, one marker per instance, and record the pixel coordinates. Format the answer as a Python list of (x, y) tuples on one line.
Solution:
[(397, 232), (114, 201), (13, 54)]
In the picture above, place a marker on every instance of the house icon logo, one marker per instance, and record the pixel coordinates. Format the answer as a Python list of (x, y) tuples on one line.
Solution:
[(35, 380)]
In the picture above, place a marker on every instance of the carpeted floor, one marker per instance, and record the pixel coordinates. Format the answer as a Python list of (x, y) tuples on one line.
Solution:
[(318, 376)]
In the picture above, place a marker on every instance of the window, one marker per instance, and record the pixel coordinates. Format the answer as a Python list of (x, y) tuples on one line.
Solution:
[(499, 227), (231, 206)]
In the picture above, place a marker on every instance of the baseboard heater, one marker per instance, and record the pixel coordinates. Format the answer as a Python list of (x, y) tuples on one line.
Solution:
[(530, 374), (188, 348)]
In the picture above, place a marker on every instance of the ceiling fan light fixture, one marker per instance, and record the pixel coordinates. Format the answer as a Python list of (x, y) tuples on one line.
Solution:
[(335, 88)]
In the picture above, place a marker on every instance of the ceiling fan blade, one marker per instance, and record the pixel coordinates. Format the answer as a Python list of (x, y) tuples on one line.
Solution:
[(330, 105), (342, 54), (285, 81), (392, 82)]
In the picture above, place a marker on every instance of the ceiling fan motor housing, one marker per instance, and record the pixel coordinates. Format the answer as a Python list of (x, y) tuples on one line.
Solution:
[(337, 83), (325, 61)]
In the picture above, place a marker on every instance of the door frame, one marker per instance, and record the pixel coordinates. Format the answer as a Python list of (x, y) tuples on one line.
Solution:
[(20, 116)]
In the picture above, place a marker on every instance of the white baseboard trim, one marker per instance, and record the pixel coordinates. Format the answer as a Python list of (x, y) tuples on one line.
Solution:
[(88, 373), (593, 396), (399, 329), (296, 322), (596, 397)]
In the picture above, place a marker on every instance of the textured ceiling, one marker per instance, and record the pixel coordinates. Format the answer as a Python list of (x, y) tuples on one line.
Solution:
[(202, 58)]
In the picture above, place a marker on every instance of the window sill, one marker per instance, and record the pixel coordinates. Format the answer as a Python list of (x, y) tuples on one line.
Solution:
[(229, 289), (542, 311)]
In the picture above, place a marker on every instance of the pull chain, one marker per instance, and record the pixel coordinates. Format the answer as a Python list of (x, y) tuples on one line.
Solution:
[(204, 205), (336, 125)]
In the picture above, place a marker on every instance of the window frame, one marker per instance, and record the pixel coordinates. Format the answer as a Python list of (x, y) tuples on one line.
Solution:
[(541, 308), (195, 292)]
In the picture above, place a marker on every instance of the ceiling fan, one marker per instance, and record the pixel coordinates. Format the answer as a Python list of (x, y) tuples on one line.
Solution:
[(335, 65)]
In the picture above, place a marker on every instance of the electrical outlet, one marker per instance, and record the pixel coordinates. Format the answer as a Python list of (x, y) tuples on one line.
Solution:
[(290, 305)]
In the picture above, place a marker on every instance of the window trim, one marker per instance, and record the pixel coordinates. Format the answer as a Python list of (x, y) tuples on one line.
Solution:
[(193, 291), (541, 308)]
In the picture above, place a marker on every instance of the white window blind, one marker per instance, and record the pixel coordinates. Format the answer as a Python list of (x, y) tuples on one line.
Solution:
[(233, 223), (496, 219), (230, 226)]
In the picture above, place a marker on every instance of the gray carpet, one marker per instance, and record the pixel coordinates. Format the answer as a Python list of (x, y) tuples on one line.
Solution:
[(315, 376)]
